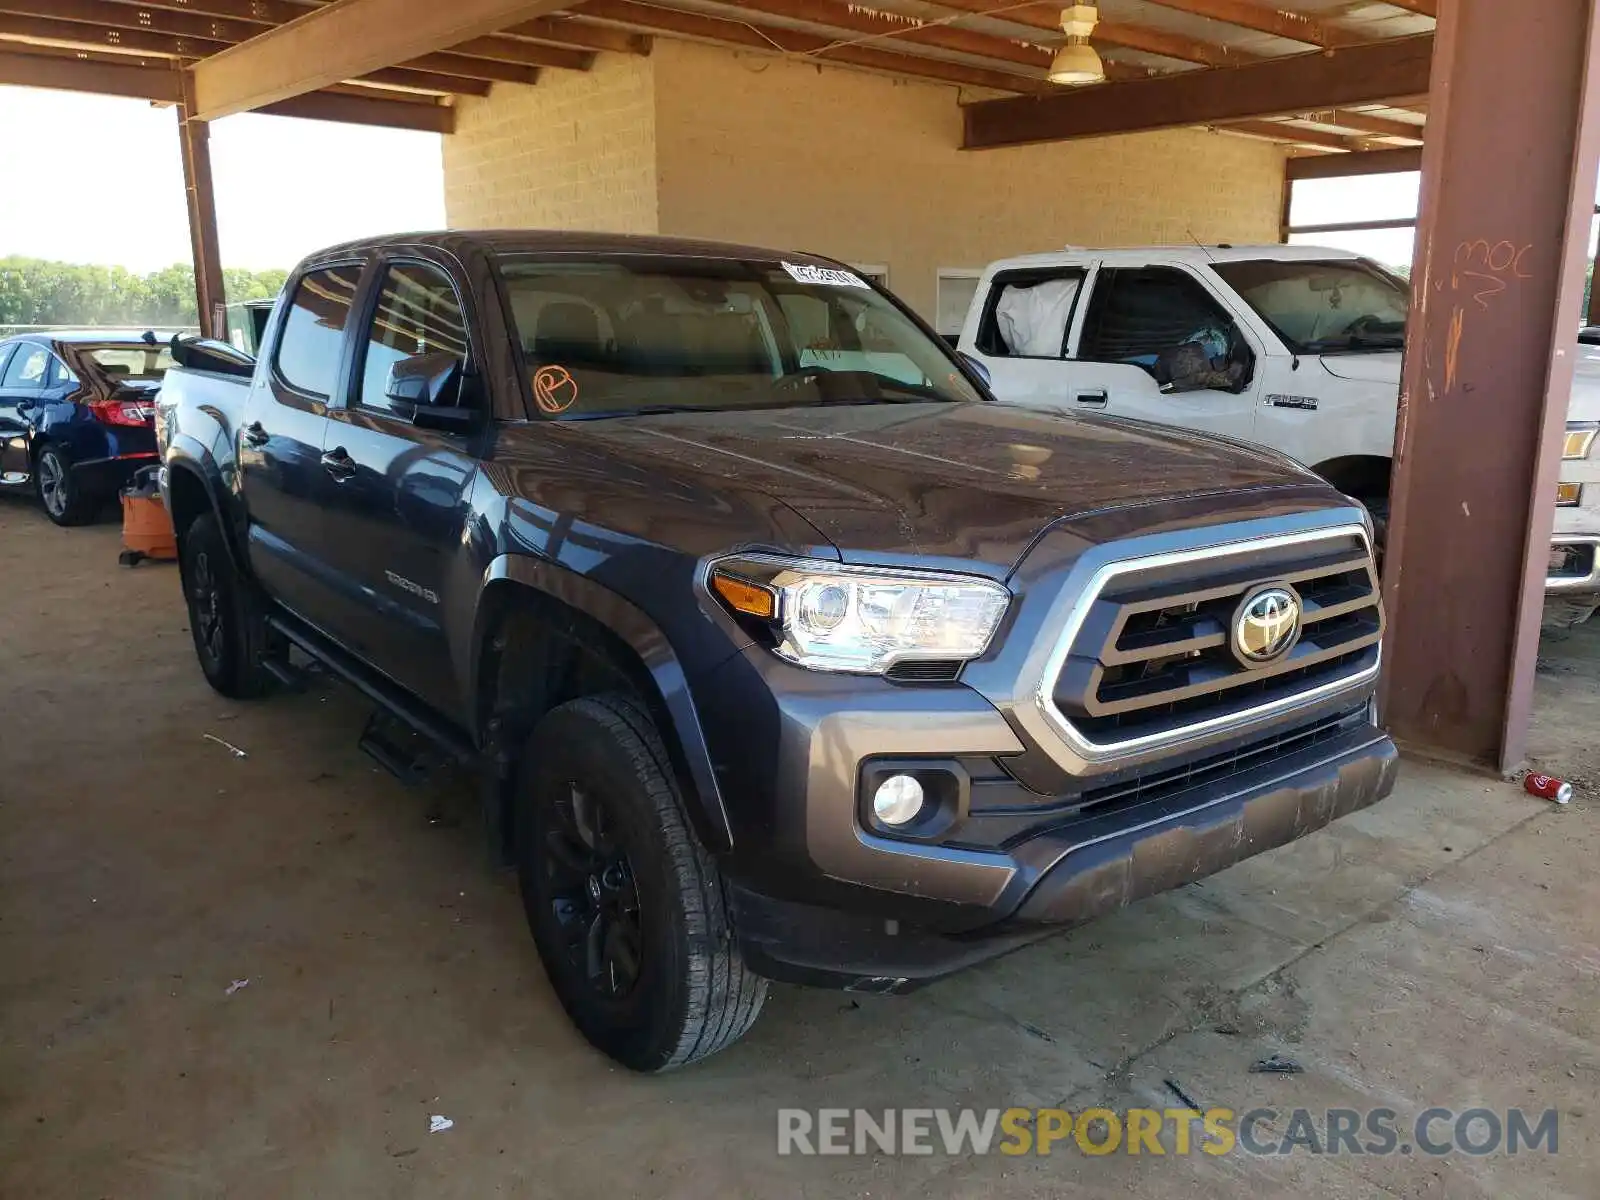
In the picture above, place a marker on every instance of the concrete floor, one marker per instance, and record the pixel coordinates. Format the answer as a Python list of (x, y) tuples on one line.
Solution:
[(1439, 949)]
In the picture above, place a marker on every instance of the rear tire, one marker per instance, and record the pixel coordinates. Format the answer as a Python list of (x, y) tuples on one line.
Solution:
[(629, 912), (227, 617), (64, 499)]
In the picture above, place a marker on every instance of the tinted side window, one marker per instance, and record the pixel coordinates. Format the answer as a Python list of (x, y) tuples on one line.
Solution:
[(417, 313), (313, 329), (1028, 314), (27, 367), (5, 355), (59, 373), (1137, 313)]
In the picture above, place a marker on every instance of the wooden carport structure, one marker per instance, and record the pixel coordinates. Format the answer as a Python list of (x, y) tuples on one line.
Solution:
[(1504, 92)]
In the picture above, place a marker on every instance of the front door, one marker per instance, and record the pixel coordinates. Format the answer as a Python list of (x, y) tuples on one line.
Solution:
[(13, 423), (281, 435), (1137, 317), (399, 505)]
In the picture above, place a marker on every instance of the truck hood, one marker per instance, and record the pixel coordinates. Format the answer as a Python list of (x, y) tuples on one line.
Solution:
[(1384, 367), (971, 483)]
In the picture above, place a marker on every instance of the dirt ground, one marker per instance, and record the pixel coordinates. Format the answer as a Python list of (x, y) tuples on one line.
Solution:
[(261, 976)]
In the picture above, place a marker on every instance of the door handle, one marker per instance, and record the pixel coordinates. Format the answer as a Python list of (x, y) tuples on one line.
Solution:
[(339, 464), (256, 435), (1097, 397)]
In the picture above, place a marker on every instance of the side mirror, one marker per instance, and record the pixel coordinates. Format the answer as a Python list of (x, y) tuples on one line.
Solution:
[(977, 367), (430, 388)]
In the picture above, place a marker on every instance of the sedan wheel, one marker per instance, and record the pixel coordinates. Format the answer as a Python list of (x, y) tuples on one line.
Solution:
[(63, 499)]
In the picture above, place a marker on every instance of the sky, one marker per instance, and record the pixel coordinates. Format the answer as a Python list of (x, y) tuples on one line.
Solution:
[(284, 186)]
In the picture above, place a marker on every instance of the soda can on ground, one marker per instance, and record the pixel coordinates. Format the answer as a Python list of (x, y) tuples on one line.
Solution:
[(1548, 787)]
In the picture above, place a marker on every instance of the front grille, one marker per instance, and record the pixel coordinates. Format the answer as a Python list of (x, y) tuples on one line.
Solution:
[(1154, 652), (926, 670), (1571, 560)]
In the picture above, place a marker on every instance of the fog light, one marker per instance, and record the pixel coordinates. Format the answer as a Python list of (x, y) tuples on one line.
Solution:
[(898, 800)]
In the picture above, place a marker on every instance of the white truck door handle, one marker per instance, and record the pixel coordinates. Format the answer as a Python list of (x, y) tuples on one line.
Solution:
[(1097, 398)]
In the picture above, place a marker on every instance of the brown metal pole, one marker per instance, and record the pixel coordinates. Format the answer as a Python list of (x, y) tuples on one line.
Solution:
[(1496, 281), (195, 139)]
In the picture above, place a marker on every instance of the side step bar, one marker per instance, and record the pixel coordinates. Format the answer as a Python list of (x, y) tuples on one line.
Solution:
[(438, 731)]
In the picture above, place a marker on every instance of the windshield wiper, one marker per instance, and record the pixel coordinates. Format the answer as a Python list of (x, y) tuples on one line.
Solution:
[(1356, 343)]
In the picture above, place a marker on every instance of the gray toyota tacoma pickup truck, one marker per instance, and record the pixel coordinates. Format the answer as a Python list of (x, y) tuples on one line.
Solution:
[(781, 649)]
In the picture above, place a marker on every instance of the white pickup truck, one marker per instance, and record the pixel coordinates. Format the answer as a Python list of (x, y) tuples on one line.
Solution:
[(1295, 347)]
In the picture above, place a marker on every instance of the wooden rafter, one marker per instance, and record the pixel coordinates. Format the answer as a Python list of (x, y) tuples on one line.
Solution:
[(1047, 19), (219, 26), (772, 39), (1265, 19), (583, 35), (154, 79), (1423, 8), (1344, 118), (1276, 131), (890, 32), (1274, 87)]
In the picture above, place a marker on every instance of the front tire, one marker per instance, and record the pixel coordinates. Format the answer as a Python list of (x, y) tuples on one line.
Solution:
[(64, 498), (227, 617), (629, 912)]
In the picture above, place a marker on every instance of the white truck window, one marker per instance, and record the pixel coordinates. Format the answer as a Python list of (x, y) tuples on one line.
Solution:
[(1028, 314), (1138, 314)]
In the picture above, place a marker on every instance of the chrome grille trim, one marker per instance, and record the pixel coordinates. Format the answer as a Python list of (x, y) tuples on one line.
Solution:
[(1109, 751)]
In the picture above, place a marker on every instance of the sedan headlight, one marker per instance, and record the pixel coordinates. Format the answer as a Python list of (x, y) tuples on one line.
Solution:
[(831, 617), (1579, 439)]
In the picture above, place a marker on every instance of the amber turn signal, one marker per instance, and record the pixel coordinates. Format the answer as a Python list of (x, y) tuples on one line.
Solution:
[(744, 597)]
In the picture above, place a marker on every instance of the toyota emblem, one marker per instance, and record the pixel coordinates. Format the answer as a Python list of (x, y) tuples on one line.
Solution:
[(1266, 625)]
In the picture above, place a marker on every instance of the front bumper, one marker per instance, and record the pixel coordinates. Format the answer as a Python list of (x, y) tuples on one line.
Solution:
[(1582, 576), (1082, 868)]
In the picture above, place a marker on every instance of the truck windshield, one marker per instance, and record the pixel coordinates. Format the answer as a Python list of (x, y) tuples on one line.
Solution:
[(131, 362), (630, 335), (1342, 306)]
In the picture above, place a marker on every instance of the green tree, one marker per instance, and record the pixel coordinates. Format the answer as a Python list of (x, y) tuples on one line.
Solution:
[(39, 292)]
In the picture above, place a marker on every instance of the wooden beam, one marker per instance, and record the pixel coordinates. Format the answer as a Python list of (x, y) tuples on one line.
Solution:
[(90, 37), (474, 68), (1263, 19), (26, 69), (1370, 162), (529, 54), (787, 41), (890, 32), (1423, 8), (1276, 131), (346, 39), (1275, 87), (194, 137), (585, 35), (1047, 19), (1344, 118), (426, 81), (351, 109)]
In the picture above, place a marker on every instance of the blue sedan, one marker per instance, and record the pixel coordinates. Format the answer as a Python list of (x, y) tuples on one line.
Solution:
[(77, 416)]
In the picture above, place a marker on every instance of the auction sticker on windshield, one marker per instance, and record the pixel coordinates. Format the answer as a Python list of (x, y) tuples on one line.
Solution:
[(802, 273)]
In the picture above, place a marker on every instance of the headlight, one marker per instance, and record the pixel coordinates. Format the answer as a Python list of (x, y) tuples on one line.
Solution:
[(862, 619), (1579, 439)]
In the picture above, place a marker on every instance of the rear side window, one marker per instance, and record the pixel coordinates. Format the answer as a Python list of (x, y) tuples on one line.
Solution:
[(59, 373), (417, 313), (1138, 313), (27, 367), (313, 329), (1028, 314)]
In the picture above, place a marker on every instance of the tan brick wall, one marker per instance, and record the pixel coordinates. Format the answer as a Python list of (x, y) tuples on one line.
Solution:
[(576, 152), (702, 142), (867, 169)]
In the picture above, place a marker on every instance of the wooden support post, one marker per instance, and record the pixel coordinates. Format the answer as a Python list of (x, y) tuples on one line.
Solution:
[(1490, 344), (194, 136)]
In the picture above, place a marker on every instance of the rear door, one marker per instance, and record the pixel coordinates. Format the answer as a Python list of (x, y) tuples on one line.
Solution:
[(281, 435), (1135, 316), (397, 501), (1024, 331)]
